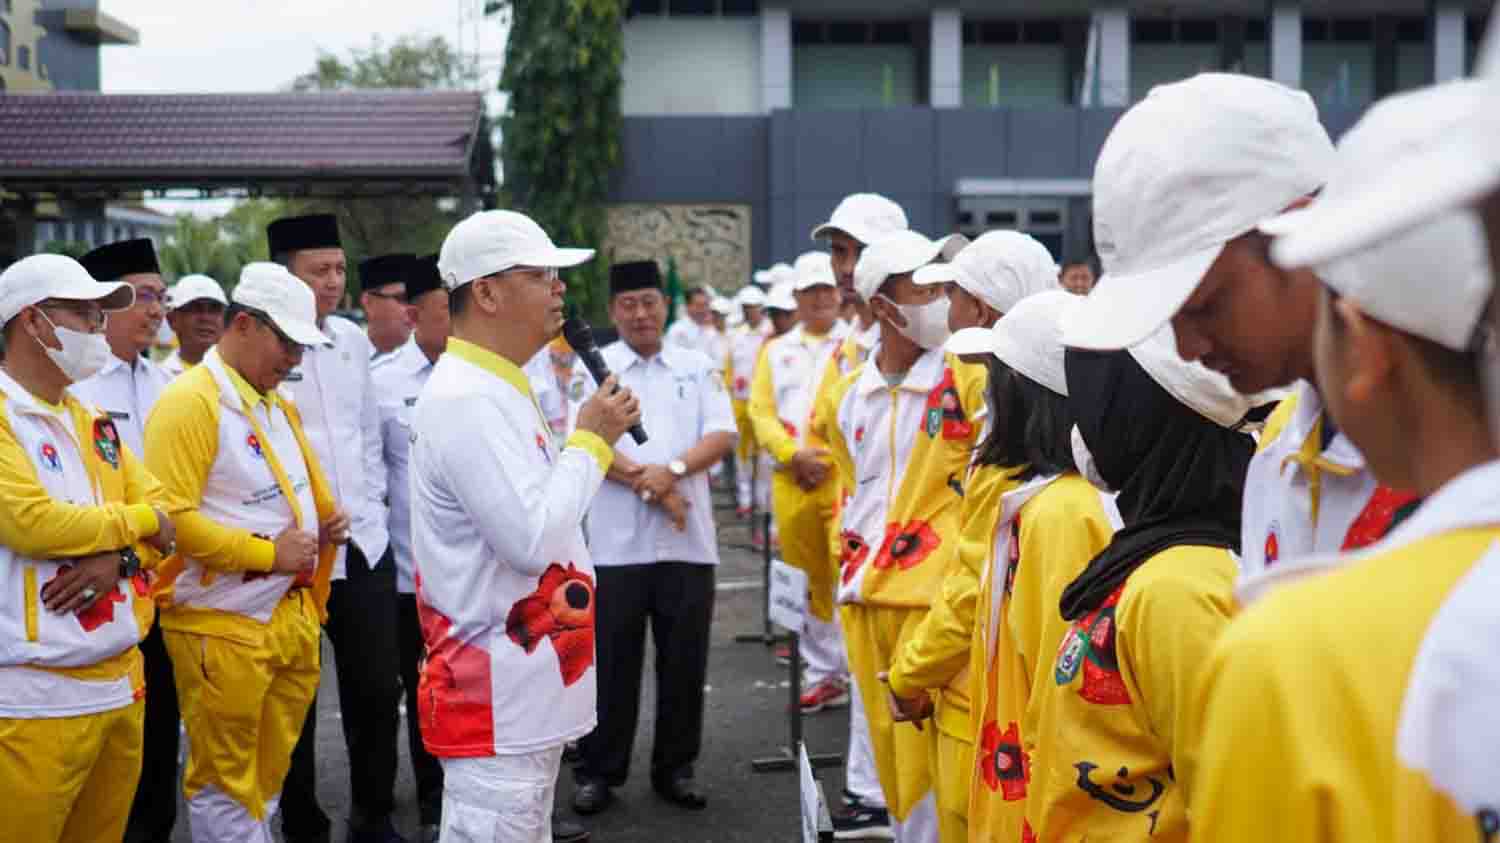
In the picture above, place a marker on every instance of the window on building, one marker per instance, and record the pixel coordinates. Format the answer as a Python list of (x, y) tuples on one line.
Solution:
[(1338, 60), (1019, 62), (1474, 29), (4, 43), (858, 63), (693, 8), (1169, 49), (23, 57)]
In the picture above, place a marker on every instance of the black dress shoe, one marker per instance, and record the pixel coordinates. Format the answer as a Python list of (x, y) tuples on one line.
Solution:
[(567, 831), (591, 797), (682, 792)]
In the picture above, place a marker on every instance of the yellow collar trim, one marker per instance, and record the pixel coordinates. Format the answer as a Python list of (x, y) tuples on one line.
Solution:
[(490, 362), (249, 394)]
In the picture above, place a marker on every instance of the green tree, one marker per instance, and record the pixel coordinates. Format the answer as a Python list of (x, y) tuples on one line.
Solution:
[(200, 246), (410, 62), (561, 139)]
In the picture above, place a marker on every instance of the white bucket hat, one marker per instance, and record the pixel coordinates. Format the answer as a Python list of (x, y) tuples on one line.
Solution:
[(1000, 268), (1194, 165)]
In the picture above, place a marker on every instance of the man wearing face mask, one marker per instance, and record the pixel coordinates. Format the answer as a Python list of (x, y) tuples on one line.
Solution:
[(126, 389), (902, 427), (79, 517)]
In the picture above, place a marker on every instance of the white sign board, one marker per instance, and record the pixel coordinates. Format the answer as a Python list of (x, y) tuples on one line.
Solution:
[(788, 601), (809, 789)]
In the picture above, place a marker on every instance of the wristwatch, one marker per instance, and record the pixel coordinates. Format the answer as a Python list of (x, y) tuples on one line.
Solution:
[(130, 563), (678, 468)]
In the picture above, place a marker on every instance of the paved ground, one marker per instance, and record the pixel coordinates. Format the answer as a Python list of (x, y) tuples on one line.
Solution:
[(745, 719)]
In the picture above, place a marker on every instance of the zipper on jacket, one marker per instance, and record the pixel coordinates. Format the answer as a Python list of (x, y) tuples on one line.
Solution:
[(29, 584), (890, 486)]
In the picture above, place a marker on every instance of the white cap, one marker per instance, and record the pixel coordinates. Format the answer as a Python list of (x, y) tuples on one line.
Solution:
[(1028, 338), (761, 276), (781, 298), (864, 216), (494, 241), (191, 288), (896, 253), (781, 273), (276, 292), (722, 306), (1193, 384), (751, 297), (1000, 268), (1410, 157), (40, 277), (1194, 165), (813, 269)]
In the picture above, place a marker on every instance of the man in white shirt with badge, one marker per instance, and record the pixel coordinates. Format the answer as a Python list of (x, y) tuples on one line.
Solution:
[(195, 310), (504, 580), (383, 282), (126, 389), (398, 379), (334, 393), (651, 531)]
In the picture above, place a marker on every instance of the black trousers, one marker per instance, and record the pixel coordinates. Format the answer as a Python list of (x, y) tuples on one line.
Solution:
[(678, 599), (426, 769), (154, 811), (362, 628)]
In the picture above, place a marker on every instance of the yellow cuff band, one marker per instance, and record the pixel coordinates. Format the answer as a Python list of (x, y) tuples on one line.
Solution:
[(594, 445), (142, 520)]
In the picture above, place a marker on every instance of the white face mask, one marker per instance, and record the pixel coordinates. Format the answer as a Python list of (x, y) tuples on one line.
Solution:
[(82, 354), (926, 324), (1084, 459)]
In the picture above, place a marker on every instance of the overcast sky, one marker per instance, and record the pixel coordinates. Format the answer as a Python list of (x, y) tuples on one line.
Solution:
[(232, 46)]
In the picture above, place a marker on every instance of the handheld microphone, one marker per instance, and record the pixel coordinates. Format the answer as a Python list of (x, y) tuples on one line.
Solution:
[(579, 335)]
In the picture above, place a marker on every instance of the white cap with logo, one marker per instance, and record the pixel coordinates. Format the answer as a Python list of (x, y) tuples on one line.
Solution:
[(191, 288), (813, 269), (999, 268), (273, 290), (896, 253), (488, 242), (37, 278), (1411, 157), (1028, 338), (1194, 165), (864, 216)]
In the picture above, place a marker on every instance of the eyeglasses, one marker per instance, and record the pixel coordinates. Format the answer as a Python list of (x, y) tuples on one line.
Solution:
[(92, 314), (545, 274), (288, 345), (150, 297)]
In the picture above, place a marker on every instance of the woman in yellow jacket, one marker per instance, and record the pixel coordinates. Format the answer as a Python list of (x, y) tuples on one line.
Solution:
[(1112, 719)]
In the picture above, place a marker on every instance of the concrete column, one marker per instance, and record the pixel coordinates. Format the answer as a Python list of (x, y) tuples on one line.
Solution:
[(1111, 83), (1286, 44), (1445, 24), (946, 64), (775, 58)]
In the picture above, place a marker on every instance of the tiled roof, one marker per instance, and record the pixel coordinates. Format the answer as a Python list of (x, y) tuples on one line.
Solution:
[(82, 139)]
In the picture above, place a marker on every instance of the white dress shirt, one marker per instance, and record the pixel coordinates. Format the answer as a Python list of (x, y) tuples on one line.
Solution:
[(685, 333), (336, 397), (398, 378), (127, 393), (683, 399)]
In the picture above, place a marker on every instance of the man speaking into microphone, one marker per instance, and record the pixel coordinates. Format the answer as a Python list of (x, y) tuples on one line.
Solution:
[(651, 531), (504, 581)]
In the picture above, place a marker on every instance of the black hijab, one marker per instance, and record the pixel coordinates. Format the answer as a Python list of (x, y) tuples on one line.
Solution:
[(1180, 477)]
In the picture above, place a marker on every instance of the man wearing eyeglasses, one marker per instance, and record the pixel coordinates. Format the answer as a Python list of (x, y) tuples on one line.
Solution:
[(333, 390), (126, 389), (383, 280), (79, 518), (243, 598)]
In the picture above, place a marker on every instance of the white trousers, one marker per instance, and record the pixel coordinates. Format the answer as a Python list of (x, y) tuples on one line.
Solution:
[(822, 644), (921, 825), (757, 469), (500, 799), (215, 817), (861, 777)]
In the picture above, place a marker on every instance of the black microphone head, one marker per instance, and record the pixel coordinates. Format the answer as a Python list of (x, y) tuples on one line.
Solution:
[(578, 334)]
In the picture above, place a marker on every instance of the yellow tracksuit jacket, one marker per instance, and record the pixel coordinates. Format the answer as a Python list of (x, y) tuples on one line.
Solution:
[(1358, 702)]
